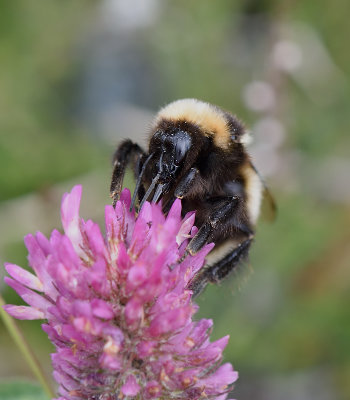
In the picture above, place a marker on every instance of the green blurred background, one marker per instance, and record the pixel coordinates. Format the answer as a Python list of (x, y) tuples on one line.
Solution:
[(78, 76)]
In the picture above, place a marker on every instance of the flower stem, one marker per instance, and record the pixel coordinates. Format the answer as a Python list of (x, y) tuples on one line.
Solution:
[(25, 349)]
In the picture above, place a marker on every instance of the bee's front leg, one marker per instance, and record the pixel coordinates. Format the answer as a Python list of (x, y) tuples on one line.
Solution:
[(127, 152), (186, 183)]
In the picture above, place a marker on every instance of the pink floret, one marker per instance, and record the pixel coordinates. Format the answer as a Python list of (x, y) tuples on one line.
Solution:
[(117, 308)]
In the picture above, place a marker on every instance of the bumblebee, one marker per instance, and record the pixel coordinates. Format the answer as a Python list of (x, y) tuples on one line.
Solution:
[(197, 153)]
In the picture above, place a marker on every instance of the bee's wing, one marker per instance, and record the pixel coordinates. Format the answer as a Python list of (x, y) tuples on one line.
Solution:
[(268, 206)]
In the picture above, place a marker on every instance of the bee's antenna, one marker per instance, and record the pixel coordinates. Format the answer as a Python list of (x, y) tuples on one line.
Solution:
[(138, 182)]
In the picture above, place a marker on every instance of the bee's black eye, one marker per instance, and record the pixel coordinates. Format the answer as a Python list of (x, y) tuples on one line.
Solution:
[(182, 145), (181, 150)]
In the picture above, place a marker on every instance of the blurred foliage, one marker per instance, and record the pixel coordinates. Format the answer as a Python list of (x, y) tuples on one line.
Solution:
[(21, 391), (291, 314), (38, 143)]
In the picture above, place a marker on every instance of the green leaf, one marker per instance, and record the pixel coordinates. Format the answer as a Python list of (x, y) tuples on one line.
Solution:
[(20, 390)]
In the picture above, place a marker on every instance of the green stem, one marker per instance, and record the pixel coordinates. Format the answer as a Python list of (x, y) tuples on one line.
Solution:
[(25, 349)]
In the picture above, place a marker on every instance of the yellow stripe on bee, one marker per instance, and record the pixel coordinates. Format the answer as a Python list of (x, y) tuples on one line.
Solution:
[(210, 119)]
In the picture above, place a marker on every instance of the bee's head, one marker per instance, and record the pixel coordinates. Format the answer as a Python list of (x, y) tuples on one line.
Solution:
[(170, 150)]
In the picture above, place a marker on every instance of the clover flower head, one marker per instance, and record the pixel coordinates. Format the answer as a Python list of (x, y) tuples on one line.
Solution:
[(117, 307)]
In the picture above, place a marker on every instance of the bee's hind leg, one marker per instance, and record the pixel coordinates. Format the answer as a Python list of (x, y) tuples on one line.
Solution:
[(217, 272)]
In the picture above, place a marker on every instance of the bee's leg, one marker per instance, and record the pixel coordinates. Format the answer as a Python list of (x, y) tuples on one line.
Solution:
[(186, 183), (126, 152), (217, 272), (200, 239), (183, 188), (223, 208)]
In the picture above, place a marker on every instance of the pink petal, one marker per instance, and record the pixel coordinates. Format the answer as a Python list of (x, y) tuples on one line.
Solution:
[(153, 389), (38, 261), (142, 229), (113, 228), (133, 312), (136, 276), (127, 221), (185, 228), (194, 334), (175, 210), (96, 241), (33, 299), (24, 312), (44, 243), (24, 277), (146, 348), (221, 378), (195, 263), (101, 309), (125, 197), (110, 362), (70, 206), (96, 277), (130, 387), (123, 262), (202, 330), (64, 251), (158, 218), (70, 217), (36, 257), (222, 342), (169, 321), (65, 380)]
